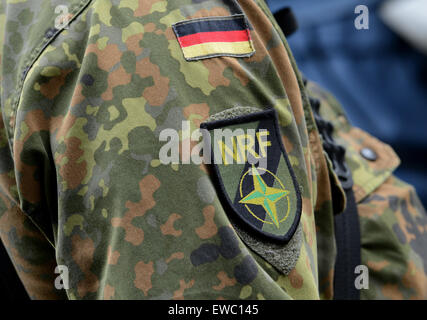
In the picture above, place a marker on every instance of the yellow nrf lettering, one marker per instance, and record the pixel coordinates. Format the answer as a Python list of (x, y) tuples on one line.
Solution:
[(242, 145)]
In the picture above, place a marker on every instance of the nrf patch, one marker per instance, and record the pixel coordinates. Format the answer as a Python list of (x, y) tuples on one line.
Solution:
[(216, 36), (253, 175)]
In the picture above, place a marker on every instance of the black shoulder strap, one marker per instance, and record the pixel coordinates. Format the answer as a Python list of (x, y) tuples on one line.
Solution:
[(347, 237), (287, 21), (347, 228)]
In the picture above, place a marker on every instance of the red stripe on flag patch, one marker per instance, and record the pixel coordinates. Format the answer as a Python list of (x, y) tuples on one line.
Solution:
[(214, 36)]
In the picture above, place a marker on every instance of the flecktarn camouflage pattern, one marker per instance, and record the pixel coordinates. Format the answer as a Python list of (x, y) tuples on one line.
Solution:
[(87, 89)]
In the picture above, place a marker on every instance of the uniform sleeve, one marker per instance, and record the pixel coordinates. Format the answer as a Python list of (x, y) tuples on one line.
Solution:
[(86, 149), (32, 255)]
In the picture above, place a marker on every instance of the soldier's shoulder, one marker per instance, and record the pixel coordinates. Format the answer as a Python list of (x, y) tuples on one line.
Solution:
[(371, 161)]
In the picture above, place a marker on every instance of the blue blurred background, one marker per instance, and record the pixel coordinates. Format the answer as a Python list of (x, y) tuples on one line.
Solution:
[(379, 78)]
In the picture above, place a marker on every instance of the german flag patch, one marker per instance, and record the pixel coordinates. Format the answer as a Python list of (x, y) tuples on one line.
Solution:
[(214, 36)]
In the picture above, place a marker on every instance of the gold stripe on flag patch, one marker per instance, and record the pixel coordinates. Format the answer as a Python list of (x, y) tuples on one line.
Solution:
[(213, 49)]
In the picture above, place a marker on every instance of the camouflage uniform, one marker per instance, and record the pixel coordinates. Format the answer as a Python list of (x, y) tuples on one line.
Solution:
[(81, 184)]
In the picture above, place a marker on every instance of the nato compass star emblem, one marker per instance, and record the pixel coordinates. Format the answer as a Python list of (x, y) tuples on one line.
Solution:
[(252, 174), (265, 196)]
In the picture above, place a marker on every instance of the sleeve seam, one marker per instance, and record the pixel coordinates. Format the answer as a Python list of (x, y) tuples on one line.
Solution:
[(29, 62)]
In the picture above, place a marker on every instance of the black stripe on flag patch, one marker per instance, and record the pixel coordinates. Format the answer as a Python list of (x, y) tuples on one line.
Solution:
[(232, 23)]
